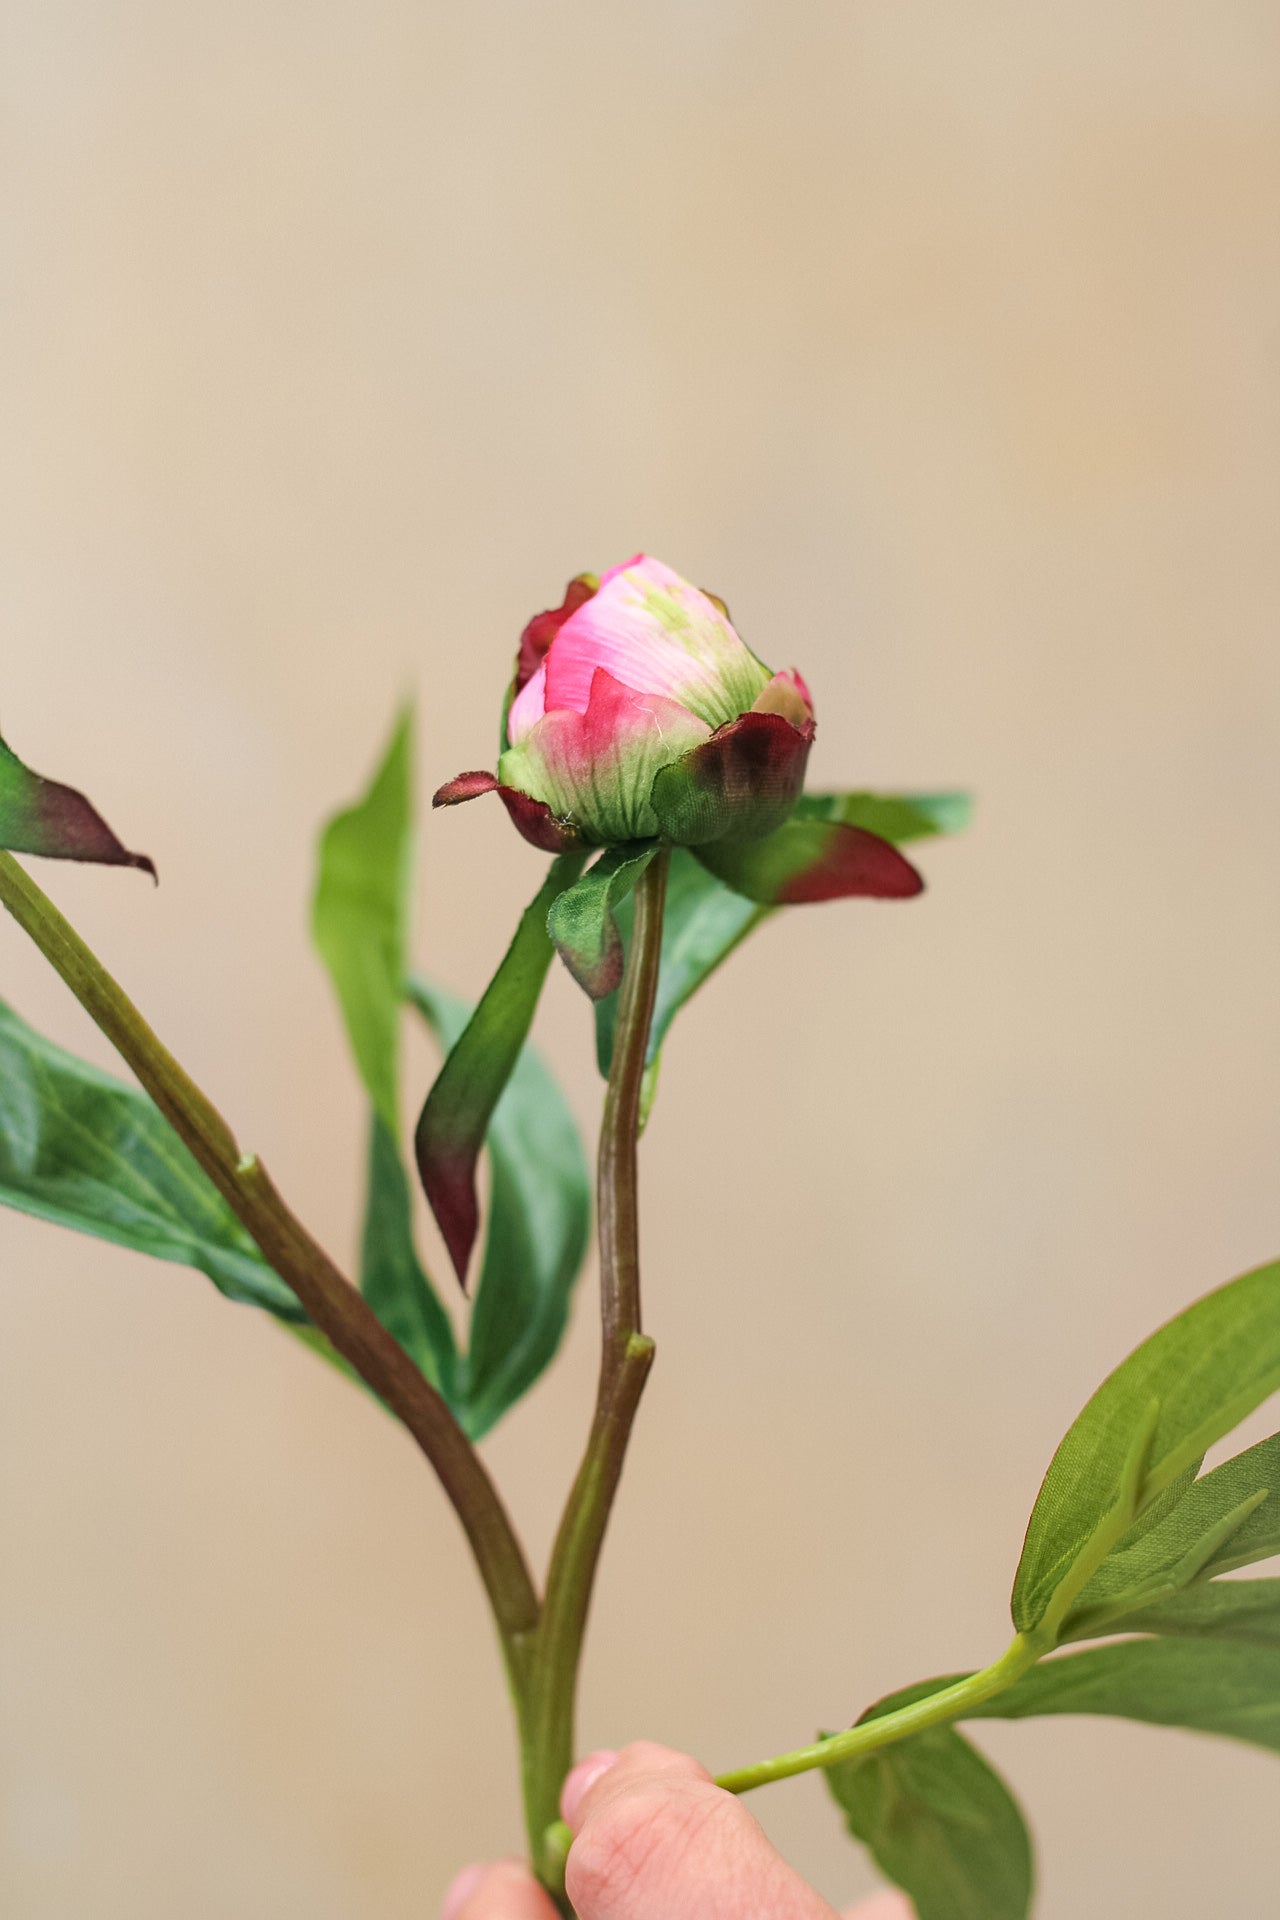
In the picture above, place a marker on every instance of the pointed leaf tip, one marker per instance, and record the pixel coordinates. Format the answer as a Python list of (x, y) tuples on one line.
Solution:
[(806, 861), (451, 1129), (44, 817)]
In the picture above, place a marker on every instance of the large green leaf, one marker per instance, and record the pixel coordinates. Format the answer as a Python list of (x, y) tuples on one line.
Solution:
[(705, 920), (1181, 1390), (1220, 1686), (360, 916), (87, 1151), (1229, 1518), (538, 1229), (941, 1824), (42, 816), (453, 1123), (392, 1279), (1216, 1610)]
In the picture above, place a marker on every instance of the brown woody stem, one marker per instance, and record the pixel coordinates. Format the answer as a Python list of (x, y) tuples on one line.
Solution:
[(332, 1303)]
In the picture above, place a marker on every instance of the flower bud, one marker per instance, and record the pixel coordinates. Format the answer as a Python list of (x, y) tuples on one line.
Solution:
[(637, 713)]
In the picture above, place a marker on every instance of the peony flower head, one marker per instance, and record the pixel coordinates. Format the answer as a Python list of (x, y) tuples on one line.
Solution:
[(637, 713)]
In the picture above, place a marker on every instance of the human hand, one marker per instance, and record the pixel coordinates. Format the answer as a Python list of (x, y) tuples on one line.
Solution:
[(654, 1834)]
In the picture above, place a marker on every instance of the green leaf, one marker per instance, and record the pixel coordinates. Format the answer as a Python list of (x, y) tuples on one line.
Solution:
[(89, 1152), (42, 816), (581, 921), (705, 920), (1246, 1610), (1181, 1390), (1210, 1686), (806, 861), (1228, 1519), (941, 1824), (894, 816), (391, 1276), (539, 1228), (360, 916), (453, 1123)]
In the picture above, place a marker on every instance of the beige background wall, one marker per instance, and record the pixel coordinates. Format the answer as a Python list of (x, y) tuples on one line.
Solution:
[(943, 340)]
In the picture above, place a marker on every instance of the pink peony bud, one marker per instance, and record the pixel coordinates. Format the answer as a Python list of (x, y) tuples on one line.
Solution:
[(637, 713)]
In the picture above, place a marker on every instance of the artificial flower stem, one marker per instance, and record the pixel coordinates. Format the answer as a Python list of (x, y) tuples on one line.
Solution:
[(626, 1354), (936, 1709), (333, 1304)]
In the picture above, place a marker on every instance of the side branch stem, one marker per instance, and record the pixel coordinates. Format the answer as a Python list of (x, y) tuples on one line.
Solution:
[(336, 1307), (934, 1710)]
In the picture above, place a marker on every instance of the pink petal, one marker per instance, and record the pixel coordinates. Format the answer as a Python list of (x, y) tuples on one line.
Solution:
[(654, 632), (528, 706)]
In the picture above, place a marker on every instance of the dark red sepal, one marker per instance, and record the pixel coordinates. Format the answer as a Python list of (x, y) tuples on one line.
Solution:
[(805, 861), (740, 784), (535, 641), (532, 818), (464, 786)]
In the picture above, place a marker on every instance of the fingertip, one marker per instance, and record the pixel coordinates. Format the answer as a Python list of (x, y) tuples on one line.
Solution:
[(460, 1890), (578, 1783)]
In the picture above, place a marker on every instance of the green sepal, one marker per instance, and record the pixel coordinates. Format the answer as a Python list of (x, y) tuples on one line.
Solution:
[(360, 916), (539, 1222), (44, 817), (581, 921), (941, 1824), (455, 1118), (1185, 1387)]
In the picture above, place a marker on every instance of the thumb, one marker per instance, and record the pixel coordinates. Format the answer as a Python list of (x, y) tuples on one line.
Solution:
[(653, 1834)]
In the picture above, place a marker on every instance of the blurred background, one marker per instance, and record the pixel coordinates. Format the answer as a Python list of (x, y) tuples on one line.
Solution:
[(942, 340)]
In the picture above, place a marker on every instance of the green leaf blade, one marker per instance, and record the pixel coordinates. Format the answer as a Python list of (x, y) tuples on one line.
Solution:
[(1202, 1372), (83, 1150), (392, 1279), (1218, 1686), (1227, 1519), (481, 1059), (538, 1229), (1247, 1610), (44, 817), (941, 1824), (360, 916)]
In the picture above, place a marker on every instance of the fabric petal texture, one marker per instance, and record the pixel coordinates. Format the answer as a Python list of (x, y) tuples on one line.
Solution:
[(741, 783), (533, 818), (806, 861), (654, 632), (581, 921), (44, 817), (595, 769)]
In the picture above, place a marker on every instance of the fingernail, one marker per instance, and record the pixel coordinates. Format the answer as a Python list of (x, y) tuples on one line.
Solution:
[(582, 1779), (460, 1891)]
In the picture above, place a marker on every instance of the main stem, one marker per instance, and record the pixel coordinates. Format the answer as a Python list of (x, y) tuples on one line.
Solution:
[(548, 1709), (336, 1307)]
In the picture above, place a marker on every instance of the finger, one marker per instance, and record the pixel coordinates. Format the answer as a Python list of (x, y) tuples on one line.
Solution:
[(504, 1891), (883, 1906), (655, 1835)]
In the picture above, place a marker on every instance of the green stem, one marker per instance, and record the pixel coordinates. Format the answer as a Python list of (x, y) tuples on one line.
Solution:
[(548, 1711), (949, 1703), (330, 1300)]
